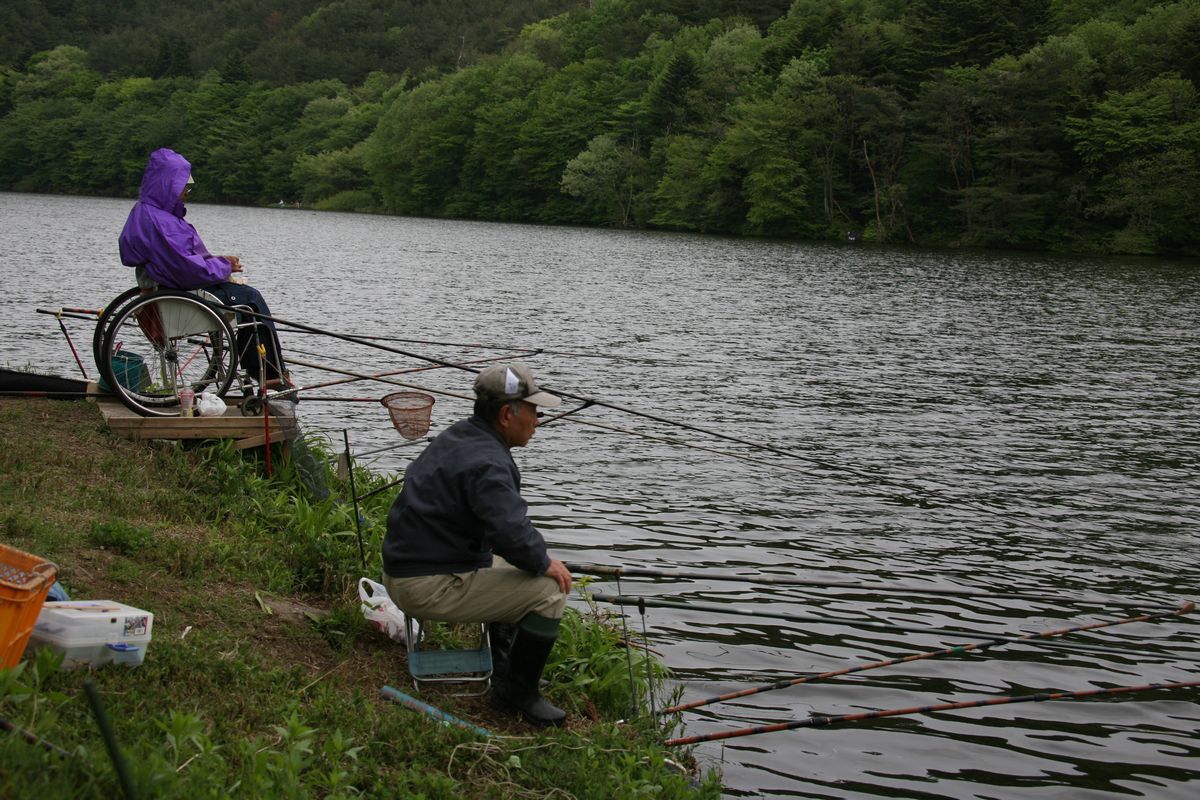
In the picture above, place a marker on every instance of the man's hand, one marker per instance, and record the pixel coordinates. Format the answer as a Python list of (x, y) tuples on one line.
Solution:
[(559, 572), (235, 263)]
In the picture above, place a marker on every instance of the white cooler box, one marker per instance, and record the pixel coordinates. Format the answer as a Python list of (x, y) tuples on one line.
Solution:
[(92, 633)]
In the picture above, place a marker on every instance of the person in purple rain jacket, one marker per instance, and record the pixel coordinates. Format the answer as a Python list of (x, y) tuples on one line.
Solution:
[(166, 252)]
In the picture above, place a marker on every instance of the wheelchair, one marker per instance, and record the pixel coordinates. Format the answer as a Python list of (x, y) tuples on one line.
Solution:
[(151, 344)]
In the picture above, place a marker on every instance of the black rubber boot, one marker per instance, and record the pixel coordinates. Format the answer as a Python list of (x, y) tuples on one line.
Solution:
[(518, 690), (500, 634)]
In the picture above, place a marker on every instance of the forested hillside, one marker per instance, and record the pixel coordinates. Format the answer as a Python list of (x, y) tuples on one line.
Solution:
[(298, 40), (1060, 124)]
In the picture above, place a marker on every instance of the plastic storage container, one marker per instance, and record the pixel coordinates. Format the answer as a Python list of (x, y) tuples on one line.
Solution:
[(92, 633), (24, 581)]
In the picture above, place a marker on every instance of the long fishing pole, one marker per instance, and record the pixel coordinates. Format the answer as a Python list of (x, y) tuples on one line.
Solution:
[(52, 395), (84, 314), (32, 738), (823, 721), (365, 376), (692, 605), (788, 453), (354, 494), (828, 465), (786, 580), (522, 350), (393, 373), (824, 464), (1185, 608), (124, 777)]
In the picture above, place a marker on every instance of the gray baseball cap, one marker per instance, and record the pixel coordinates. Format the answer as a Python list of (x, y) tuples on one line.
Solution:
[(512, 382)]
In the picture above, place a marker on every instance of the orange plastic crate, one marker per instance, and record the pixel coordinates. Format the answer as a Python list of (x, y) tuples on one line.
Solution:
[(25, 580)]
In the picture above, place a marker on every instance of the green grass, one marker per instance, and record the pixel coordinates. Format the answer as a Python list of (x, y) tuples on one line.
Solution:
[(262, 678)]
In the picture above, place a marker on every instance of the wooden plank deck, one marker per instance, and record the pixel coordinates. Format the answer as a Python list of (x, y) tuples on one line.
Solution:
[(247, 431)]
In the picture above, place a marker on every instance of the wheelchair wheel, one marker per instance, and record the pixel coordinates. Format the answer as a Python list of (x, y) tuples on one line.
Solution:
[(102, 324), (161, 342)]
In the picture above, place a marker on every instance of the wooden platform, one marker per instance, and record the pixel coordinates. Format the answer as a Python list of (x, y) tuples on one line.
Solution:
[(247, 431)]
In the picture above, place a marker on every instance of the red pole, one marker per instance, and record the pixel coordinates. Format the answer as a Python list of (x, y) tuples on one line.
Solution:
[(1187, 607), (818, 722)]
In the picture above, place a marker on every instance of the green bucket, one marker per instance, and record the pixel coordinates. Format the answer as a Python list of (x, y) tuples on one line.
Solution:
[(129, 370)]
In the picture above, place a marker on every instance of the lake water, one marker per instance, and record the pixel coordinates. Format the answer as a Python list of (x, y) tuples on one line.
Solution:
[(1007, 422)]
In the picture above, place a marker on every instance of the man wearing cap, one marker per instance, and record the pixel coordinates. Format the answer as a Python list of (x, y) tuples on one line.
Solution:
[(460, 546)]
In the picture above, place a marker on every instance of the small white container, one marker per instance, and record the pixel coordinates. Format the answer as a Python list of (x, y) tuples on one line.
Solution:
[(92, 633)]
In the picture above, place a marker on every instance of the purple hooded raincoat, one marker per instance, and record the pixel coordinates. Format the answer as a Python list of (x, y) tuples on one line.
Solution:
[(157, 237)]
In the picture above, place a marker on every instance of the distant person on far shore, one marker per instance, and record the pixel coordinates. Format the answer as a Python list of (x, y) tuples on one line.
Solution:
[(166, 252)]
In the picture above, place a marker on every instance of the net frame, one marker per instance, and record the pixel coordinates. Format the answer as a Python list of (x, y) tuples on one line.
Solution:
[(410, 412)]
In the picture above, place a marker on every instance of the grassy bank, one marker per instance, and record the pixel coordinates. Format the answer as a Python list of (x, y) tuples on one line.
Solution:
[(262, 677)]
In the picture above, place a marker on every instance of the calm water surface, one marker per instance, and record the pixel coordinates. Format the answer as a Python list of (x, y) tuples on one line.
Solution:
[(1000, 421)]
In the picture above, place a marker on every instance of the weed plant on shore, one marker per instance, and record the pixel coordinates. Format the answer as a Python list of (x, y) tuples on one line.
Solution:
[(262, 678)]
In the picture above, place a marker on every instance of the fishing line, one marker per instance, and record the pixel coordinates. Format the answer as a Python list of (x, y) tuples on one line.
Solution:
[(823, 721), (1185, 608), (878, 588), (858, 622)]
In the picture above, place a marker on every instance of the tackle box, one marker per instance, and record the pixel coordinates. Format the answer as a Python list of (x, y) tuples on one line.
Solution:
[(92, 633)]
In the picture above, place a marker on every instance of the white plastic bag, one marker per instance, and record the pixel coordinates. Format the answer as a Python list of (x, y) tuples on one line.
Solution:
[(380, 610), (209, 405)]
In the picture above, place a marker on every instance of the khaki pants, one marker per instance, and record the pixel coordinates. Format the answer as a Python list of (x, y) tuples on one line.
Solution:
[(500, 593)]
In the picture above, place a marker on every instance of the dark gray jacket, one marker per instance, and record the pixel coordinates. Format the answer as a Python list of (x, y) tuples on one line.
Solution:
[(460, 503)]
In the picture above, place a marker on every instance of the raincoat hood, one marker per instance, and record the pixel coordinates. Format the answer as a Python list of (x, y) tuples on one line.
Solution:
[(166, 174), (156, 236)]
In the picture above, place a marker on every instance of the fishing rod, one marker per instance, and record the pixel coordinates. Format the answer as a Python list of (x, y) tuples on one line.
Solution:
[(124, 777), (365, 376), (824, 721), (1185, 608), (692, 605), (786, 580), (874, 479), (433, 712), (864, 475), (84, 314), (392, 373), (32, 738), (523, 350)]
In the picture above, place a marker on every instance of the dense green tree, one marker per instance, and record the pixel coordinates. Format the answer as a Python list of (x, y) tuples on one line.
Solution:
[(174, 57), (1020, 197), (940, 170), (947, 33), (493, 180), (1022, 123), (605, 175), (1142, 147), (417, 149), (567, 111), (682, 193)]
